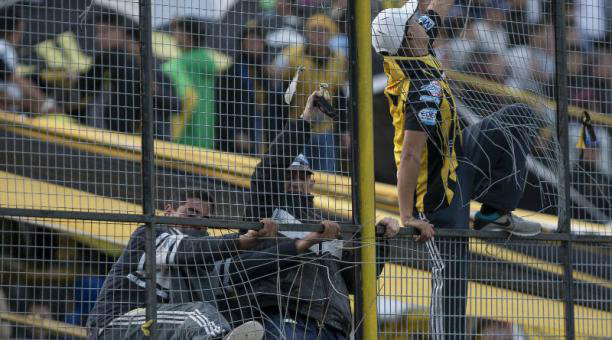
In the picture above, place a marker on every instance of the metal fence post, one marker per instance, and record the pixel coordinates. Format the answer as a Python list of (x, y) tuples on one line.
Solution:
[(564, 203), (354, 123), (367, 214), (148, 174)]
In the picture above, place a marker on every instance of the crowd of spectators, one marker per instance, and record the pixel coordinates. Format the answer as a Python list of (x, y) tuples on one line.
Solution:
[(197, 101), (511, 42)]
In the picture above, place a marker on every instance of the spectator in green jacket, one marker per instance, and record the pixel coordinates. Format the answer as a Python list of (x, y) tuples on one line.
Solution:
[(194, 73)]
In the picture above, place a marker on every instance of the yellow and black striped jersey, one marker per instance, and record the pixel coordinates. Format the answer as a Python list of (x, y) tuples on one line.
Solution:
[(420, 99)]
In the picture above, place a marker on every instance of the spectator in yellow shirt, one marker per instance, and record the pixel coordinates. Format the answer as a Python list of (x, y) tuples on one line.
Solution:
[(321, 65)]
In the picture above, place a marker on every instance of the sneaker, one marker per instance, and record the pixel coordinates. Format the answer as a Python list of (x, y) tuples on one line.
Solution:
[(507, 222), (251, 330)]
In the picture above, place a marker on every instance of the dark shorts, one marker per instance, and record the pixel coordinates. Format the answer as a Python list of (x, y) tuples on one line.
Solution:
[(197, 321)]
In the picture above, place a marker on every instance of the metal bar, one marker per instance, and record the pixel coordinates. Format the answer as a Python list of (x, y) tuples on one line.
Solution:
[(355, 197), (367, 213), (73, 215), (148, 162), (562, 117), (563, 188), (243, 225), (133, 218), (440, 233)]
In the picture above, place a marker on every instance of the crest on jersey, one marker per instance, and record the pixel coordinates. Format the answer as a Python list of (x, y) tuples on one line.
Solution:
[(427, 116), (434, 88)]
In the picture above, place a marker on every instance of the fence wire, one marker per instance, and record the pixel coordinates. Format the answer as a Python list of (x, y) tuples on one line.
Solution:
[(234, 144)]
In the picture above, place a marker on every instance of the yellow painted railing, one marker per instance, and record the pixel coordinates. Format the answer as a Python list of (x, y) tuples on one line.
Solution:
[(52, 326)]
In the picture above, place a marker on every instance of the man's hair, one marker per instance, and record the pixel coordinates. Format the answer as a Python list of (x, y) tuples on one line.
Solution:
[(195, 193), (10, 17), (112, 18), (251, 27), (192, 26)]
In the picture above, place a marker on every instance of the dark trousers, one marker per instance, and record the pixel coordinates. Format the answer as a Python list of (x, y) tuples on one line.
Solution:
[(491, 170), (193, 321)]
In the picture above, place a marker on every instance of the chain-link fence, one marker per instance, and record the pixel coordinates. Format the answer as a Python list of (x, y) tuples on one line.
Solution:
[(129, 127), (495, 54)]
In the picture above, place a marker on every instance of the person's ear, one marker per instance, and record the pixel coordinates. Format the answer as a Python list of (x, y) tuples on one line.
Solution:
[(168, 209), (311, 184)]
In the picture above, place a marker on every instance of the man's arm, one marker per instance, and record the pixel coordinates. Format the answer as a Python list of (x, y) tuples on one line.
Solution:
[(269, 177), (408, 172), (173, 248), (252, 265), (407, 176), (422, 119)]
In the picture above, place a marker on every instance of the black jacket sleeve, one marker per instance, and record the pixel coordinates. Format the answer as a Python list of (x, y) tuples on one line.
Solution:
[(166, 103), (235, 104), (269, 177), (253, 265), (183, 249)]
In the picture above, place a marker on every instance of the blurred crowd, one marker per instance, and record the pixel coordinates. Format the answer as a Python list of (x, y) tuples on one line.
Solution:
[(512, 42), (240, 105), (197, 100)]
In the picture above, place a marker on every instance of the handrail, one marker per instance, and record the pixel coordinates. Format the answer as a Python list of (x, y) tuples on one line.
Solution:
[(110, 237), (53, 326)]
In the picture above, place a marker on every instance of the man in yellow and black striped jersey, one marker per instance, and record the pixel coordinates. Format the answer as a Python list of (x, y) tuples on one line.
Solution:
[(442, 167)]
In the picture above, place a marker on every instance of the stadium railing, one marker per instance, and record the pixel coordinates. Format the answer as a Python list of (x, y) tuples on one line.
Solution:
[(111, 237)]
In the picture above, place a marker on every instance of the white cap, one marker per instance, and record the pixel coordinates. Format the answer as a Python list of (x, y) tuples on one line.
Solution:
[(389, 26)]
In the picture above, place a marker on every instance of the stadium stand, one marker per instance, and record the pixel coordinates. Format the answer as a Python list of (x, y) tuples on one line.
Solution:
[(83, 168)]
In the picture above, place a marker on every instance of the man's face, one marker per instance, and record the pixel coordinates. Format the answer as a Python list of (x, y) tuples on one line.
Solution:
[(253, 44), (193, 207), (300, 182), (283, 7), (319, 36), (183, 39), (416, 40), (603, 69), (109, 36), (19, 32)]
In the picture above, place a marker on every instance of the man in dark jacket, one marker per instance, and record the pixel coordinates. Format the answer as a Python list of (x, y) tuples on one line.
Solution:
[(249, 107), (191, 271), (310, 299), (114, 80)]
